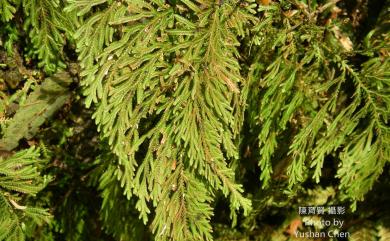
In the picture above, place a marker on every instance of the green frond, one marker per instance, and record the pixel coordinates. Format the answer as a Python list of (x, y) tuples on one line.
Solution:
[(117, 212), (8, 9), (176, 107), (19, 177), (47, 24), (166, 91)]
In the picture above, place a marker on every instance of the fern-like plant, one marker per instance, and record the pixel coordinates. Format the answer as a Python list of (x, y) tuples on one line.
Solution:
[(183, 114), (20, 178)]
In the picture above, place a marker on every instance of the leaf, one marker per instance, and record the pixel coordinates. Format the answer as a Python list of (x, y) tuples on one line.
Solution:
[(40, 105)]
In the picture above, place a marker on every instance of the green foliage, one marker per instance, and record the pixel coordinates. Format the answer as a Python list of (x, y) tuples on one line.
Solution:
[(41, 104), (141, 84), (7, 10), (12, 36), (305, 96), (19, 178), (204, 120), (115, 207), (47, 23)]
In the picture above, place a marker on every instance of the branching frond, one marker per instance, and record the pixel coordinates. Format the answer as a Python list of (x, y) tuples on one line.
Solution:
[(167, 90), (19, 177)]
